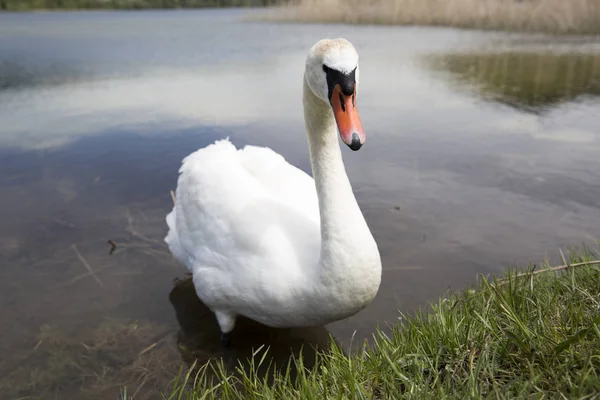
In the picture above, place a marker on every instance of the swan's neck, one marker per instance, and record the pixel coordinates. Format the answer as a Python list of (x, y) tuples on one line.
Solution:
[(347, 247)]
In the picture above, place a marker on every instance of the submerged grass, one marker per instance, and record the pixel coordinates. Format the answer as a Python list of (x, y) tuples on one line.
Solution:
[(113, 353), (533, 336), (553, 16)]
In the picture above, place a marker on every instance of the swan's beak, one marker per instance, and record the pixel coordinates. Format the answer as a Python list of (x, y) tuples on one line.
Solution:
[(347, 118)]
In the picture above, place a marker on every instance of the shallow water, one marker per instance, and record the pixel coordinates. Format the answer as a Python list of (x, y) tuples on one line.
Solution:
[(482, 153)]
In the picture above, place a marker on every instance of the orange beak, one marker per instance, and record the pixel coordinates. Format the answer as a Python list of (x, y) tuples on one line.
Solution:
[(347, 118)]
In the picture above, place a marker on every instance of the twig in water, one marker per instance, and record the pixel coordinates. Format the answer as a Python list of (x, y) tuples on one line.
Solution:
[(84, 275), (556, 268), (62, 222), (113, 247), (161, 337), (87, 265), (173, 197), (131, 229), (139, 387), (147, 349)]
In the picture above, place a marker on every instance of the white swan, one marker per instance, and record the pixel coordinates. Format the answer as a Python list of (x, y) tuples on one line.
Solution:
[(263, 239)]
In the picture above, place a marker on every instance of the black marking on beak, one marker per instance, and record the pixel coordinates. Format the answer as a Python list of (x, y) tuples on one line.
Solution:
[(346, 81)]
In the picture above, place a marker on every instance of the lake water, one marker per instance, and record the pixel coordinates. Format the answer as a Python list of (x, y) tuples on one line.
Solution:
[(482, 153)]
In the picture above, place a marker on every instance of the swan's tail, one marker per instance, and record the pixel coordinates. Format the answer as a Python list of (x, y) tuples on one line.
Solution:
[(172, 240)]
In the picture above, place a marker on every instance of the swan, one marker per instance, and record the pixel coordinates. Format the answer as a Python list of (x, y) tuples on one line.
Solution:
[(264, 240)]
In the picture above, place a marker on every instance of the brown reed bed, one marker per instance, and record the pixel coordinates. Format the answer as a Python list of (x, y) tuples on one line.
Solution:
[(547, 16)]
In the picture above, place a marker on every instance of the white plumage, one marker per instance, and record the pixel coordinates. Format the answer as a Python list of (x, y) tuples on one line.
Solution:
[(248, 225)]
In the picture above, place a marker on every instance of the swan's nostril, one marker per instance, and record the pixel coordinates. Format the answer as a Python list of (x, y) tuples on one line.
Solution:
[(356, 144)]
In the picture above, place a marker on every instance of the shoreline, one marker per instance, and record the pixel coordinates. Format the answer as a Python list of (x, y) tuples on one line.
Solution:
[(531, 333), (129, 5)]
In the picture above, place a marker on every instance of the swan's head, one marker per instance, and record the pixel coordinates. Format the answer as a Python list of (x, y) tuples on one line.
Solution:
[(332, 75)]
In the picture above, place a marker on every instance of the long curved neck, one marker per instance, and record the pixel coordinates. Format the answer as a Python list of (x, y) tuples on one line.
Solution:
[(344, 232)]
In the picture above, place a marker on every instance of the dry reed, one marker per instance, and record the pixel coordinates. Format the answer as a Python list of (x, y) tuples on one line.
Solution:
[(550, 16)]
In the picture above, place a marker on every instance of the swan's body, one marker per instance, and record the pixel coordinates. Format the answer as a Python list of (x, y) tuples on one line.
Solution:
[(263, 239)]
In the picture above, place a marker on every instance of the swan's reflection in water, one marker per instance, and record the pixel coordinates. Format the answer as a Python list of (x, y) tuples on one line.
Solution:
[(199, 338)]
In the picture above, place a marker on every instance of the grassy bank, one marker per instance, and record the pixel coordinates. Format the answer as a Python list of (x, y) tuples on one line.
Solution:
[(554, 16), (27, 5), (536, 336)]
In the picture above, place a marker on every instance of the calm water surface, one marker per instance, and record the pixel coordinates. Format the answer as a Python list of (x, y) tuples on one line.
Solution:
[(482, 153)]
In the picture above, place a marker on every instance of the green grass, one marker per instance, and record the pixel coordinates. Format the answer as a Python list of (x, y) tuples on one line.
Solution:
[(532, 337)]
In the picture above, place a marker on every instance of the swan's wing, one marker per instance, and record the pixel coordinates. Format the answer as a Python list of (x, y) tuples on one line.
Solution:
[(288, 183), (245, 208)]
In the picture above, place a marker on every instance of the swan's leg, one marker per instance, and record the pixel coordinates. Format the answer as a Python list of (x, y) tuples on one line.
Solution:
[(225, 339), (226, 323)]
